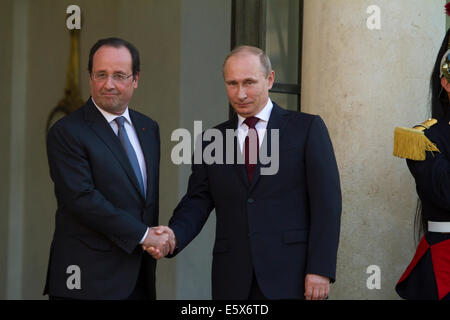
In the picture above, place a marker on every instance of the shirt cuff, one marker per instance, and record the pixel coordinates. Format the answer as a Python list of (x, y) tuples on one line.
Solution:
[(143, 238)]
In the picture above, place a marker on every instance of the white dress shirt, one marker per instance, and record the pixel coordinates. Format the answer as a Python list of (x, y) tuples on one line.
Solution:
[(132, 136), (260, 126)]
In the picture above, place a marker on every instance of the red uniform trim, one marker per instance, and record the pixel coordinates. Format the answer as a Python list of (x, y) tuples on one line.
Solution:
[(440, 257), (421, 250)]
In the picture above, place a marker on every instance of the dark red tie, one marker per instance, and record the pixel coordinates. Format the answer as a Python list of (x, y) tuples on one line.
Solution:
[(251, 122)]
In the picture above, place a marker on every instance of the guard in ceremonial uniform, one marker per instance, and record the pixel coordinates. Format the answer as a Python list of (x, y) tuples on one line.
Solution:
[(427, 150), (428, 274)]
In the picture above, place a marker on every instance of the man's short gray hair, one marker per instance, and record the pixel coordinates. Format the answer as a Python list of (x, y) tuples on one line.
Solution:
[(266, 66)]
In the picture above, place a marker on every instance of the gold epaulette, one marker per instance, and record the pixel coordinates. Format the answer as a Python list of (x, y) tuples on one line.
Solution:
[(412, 143)]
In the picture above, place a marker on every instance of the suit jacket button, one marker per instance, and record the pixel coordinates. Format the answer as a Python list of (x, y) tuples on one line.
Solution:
[(251, 200)]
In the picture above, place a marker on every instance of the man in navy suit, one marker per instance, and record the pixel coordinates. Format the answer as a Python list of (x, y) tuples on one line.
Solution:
[(276, 234), (104, 162)]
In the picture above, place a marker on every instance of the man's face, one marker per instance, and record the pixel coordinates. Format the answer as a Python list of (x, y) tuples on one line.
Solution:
[(112, 94), (247, 86)]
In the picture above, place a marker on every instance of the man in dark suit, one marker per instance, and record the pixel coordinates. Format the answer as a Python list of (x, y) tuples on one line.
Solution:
[(276, 234), (104, 162)]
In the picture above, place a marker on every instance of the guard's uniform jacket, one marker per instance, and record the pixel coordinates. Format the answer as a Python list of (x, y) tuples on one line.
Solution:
[(427, 150)]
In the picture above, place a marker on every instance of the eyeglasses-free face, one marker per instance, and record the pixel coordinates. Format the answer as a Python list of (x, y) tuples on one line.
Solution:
[(246, 84)]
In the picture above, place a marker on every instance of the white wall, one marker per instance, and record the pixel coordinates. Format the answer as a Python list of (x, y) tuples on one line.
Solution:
[(365, 83)]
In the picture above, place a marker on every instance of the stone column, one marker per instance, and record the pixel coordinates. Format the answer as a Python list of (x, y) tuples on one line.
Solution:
[(364, 83)]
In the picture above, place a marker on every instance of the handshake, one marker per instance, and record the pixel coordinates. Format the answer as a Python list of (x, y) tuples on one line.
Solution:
[(159, 242)]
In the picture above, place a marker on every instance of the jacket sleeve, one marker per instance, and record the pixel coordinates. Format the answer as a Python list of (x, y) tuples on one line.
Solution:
[(325, 201), (432, 175), (76, 193), (192, 212)]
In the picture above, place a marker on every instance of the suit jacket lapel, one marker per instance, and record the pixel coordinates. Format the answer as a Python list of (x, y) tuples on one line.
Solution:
[(104, 131), (147, 140), (277, 120)]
